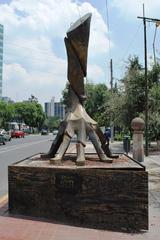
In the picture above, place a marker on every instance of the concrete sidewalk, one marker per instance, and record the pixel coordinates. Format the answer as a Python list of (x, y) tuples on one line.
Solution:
[(25, 228)]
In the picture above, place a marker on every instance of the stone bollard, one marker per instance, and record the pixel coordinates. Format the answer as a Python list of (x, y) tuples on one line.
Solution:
[(137, 125)]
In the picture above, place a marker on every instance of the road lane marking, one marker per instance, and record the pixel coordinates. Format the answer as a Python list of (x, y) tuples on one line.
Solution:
[(12, 148), (21, 144), (4, 198)]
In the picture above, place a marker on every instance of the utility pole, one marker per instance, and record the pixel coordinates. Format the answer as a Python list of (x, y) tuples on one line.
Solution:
[(111, 82), (146, 19), (111, 69)]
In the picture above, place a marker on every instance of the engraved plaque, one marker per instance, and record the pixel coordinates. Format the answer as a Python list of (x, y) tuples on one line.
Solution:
[(68, 183)]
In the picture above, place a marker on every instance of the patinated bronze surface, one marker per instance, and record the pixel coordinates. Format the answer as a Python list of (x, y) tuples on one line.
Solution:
[(77, 121)]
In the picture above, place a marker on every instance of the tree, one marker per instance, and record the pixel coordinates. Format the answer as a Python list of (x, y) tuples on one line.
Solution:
[(31, 113), (154, 112), (126, 101), (65, 96), (134, 95), (51, 123), (2, 113), (115, 110), (40, 115), (33, 99), (154, 75), (134, 91), (6, 113), (97, 96)]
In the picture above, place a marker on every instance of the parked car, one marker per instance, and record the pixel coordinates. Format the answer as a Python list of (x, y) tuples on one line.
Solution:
[(44, 132), (27, 131), (55, 132), (2, 139), (17, 134), (6, 134)]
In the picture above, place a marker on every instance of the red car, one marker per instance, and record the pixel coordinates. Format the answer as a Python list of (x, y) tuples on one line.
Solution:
[(17, 134)]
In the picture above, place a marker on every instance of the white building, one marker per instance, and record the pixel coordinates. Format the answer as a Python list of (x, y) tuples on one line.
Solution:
[(52, 106), (54, 109), (47, 109)]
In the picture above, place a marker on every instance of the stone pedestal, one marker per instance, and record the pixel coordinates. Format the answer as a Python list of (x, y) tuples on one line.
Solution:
[(138, 149), (99, 195)]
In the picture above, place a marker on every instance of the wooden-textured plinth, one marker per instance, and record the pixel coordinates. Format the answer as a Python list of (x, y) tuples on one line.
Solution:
[(102, 195)]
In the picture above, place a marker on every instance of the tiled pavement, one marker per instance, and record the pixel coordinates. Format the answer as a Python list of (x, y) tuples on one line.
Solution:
[(21, 228)]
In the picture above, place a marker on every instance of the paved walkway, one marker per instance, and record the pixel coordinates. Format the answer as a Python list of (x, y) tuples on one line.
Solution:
[(23, 228)]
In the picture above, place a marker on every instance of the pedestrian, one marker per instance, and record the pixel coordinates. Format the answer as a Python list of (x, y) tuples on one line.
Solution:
[(107, 135)]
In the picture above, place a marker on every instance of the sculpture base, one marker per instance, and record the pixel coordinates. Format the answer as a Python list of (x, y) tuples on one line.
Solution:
[(102, 195)]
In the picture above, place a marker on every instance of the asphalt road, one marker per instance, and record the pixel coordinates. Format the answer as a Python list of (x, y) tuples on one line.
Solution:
[(18, 149)]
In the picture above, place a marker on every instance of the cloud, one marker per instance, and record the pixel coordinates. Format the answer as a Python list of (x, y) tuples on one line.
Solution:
[(95, 73), (132, 9), (21, 84), (34, 52)]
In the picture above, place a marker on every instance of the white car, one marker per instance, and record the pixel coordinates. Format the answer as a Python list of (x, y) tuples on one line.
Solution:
[(5, 134), (55, 132)]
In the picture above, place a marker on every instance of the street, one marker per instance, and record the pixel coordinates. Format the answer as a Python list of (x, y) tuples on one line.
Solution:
[(18, 149)]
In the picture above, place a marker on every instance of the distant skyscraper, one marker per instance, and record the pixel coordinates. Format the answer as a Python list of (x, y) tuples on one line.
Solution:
[(59, 110), (1, 58), (47, 109), (52, 106), (7, 100), (54, 109)]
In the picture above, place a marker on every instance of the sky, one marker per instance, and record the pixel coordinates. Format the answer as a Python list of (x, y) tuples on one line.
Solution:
[(35, 60)]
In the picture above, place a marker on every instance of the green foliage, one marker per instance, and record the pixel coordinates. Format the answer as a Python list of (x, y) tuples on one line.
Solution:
[(40, 116), (114, 109), (134, 82), (123, 104), (154, 126), (118, 137), (6, 113), (134, 91), (154, 75), (65, 96), (154, 112), (97, 96), (51, 123), (29, 112)]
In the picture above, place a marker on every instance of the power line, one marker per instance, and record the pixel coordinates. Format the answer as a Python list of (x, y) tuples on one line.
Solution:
[(108, 25), (119, 64), (132, 40)]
